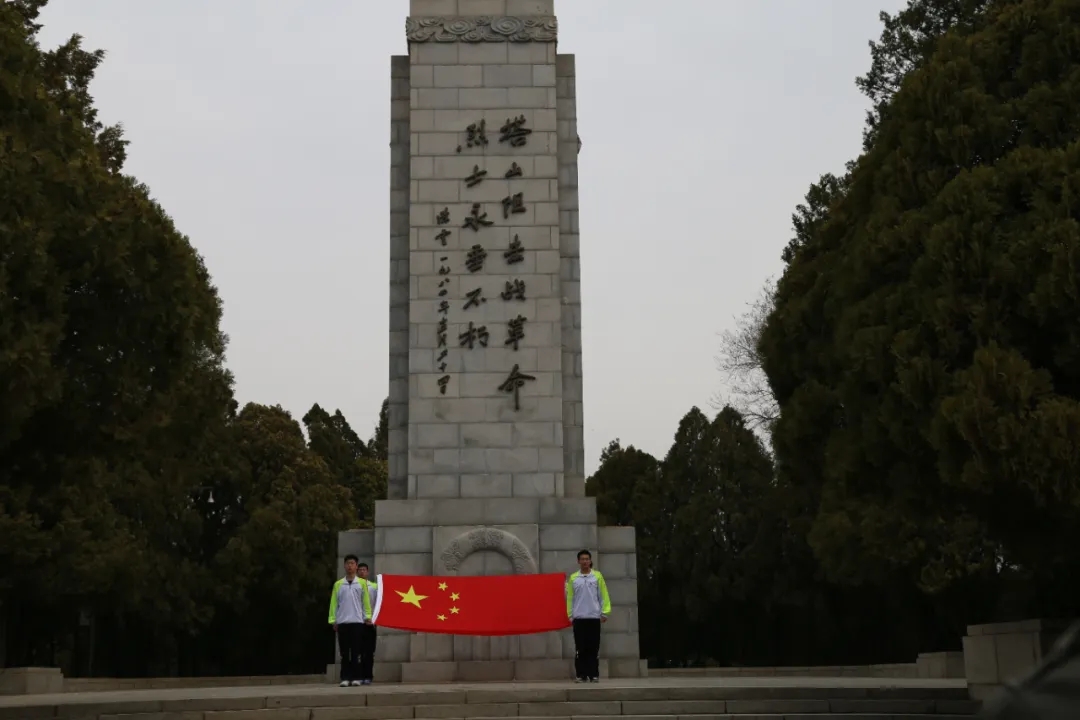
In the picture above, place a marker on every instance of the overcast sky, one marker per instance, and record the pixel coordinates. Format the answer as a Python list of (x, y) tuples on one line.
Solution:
[(263, 128)]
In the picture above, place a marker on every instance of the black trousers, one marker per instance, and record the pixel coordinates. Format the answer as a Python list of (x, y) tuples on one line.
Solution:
[(587, 648), (349, 637), (367, 651)]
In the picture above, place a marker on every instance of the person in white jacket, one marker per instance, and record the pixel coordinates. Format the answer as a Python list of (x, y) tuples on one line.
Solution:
[(351, 606), (588, 606)]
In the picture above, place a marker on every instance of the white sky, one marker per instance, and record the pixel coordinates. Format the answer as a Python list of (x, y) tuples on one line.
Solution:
[(263, 129)]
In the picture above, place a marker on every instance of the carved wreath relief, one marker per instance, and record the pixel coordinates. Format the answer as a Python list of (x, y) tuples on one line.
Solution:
[(482, 28), (493, 539)]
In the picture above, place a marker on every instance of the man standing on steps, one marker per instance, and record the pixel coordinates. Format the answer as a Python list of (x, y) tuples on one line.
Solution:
[(368, 636), (350, 612), (588, 606)]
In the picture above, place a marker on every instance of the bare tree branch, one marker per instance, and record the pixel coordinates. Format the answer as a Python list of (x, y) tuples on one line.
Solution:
[(739, 362)]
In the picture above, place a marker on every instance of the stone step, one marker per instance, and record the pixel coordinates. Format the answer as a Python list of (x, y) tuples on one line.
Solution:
[(638, 700), (575, 710)]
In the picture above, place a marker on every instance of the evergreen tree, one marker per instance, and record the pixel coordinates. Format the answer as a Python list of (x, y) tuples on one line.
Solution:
[(925, 343)]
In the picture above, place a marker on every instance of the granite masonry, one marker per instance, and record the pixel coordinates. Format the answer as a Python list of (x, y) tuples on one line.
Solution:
[(486, 425)]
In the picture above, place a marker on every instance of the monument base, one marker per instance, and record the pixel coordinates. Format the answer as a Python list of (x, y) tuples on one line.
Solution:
[(495, 536)]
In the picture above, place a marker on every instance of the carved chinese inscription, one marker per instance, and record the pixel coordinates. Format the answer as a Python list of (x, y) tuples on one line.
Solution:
[(474, 335), (443, 217), (515, 290), (475, 135), (513, 384), (513, 204), (515, 253), (442, 236), (515, 332), (476, 177), (474, 298), (514, 132), (477, 219), (474, 259), (514, 171)]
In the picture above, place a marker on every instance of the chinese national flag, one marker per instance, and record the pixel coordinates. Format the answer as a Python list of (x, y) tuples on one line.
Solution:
[(490, 605)]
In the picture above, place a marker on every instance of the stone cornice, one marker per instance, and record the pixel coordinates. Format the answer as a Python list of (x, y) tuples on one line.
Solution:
[(482, 29)]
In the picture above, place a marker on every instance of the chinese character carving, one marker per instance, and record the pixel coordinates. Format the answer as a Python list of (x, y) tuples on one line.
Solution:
[(476, 177), (515, 290), (474, 335), (443, 217), (441, 237), (443, 382), (440, 333), (514, 171), (515, 132), (442, 287), (515, 253), (474, 259), (515, 331), (476, 135), (477, 219), (513, 384), (442, 360), (474, 298), (513, 204)]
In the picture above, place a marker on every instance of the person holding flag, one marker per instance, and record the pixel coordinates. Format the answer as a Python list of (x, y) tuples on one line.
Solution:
[(351, 616), (588, 606)]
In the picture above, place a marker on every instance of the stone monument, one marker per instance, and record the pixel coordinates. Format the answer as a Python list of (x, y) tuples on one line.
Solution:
[(486, 446)]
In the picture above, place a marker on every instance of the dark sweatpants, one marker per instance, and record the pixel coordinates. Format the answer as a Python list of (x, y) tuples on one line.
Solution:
[(350, 637), (587, 648), (367, 651)]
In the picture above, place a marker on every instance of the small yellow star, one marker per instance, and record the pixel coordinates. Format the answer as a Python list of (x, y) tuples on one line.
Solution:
[(454, 596), (441, 617), (411, 597), (453, 611), (442, 586)]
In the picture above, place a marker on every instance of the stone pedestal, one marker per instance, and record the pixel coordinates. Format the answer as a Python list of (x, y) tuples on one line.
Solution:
[(1001, 652), (486, 423), (31, 681)]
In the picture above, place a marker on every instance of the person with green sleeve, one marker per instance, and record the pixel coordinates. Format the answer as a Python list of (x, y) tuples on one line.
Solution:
[(588, 606), (350, 613)]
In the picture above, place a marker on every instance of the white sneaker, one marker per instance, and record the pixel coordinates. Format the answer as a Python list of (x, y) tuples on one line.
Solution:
[(343, 683), (355, 683)]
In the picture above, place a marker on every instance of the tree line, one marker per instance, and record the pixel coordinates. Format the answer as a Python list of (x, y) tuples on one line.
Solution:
[(148, 525), (915, 373)]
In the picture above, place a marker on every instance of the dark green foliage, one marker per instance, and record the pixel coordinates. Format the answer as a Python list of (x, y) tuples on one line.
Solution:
[(925, 346), (181, 529)]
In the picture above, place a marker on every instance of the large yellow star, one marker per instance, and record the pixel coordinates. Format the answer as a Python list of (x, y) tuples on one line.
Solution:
[(411, 597), (454, 596), (453, 611), (442, 586)]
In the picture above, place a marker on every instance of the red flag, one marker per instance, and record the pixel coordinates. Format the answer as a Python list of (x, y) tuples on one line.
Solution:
[(489, 605)]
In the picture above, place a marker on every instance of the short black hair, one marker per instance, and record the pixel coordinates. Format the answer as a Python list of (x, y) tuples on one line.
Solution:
[(352, 557), (362, 565), (586, 553)]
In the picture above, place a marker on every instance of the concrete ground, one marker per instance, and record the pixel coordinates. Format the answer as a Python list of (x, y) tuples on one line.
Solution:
[(275, 695)]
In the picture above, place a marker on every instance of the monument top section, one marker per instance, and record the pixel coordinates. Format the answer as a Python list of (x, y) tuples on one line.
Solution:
[(493, 8)]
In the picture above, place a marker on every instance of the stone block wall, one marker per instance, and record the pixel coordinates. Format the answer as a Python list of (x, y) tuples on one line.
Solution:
[(1001, 652), (468, 436), (570, 276), (398, 408), (439, 537)]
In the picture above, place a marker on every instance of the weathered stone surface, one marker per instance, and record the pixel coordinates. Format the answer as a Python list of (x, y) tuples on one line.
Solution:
[(567, 537), (617, 540)]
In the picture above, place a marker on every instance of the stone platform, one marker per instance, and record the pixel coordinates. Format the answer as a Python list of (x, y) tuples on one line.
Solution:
[(657, 699)]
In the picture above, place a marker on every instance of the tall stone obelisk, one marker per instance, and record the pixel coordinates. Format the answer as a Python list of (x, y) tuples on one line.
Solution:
[(486, 425)]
